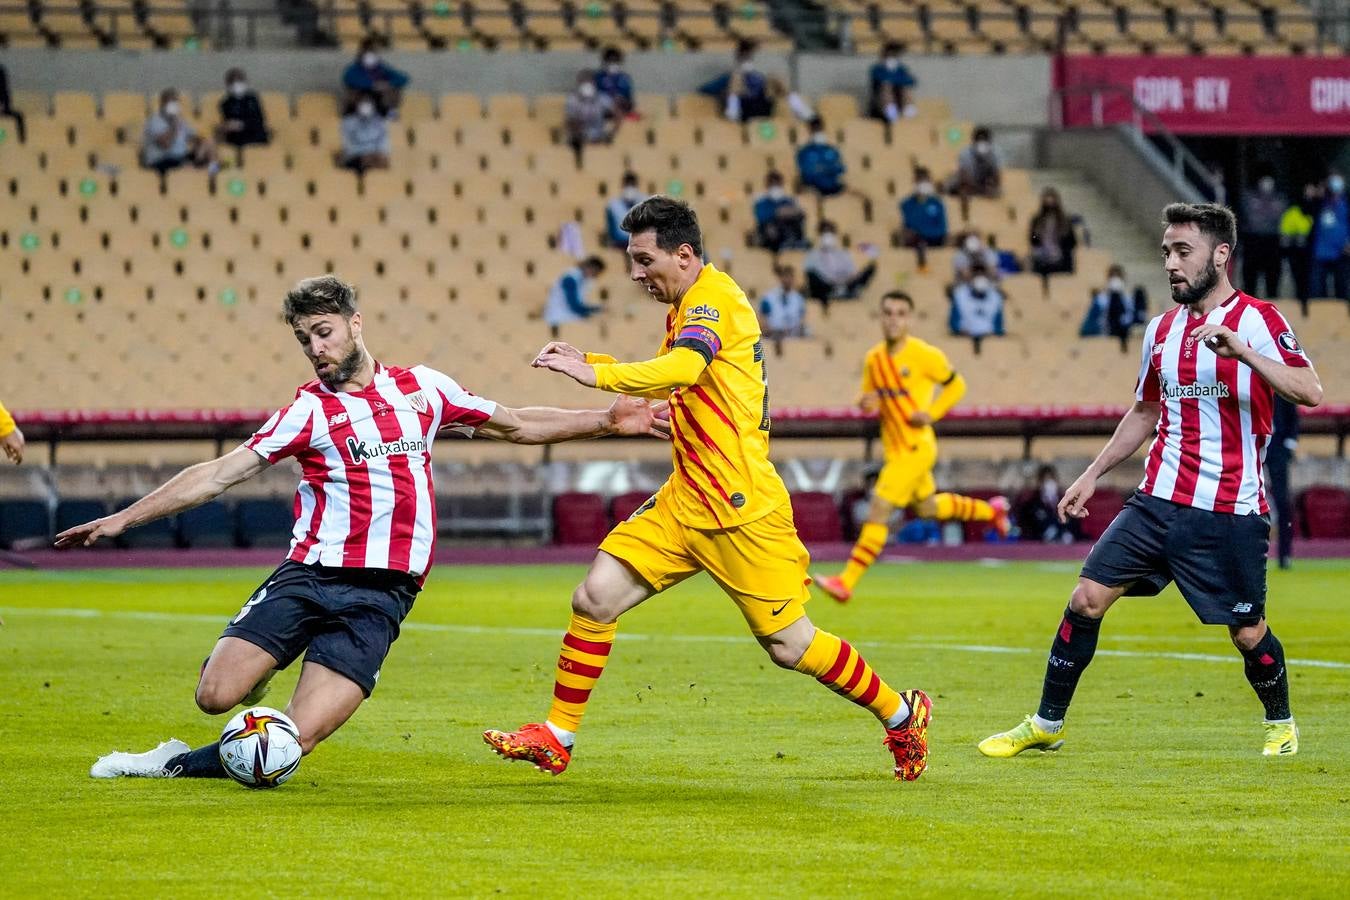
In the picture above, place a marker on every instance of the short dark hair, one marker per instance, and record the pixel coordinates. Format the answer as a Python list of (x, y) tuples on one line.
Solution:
[(673, 221), (318, 297), (981, 133), (1214, 220), (891, 48), (773, 176), (594, 263), (898, 295), (630, 178), (612, 53)]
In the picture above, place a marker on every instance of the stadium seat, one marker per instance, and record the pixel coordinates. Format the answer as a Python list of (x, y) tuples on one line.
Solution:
[(159, 533), (24, 524), (208, 525), (73, 511), (817, 517), (1324, 512), (624, 505), (579, 518), (261, 523)]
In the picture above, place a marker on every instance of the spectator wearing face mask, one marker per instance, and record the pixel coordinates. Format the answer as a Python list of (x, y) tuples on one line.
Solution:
[(169, 140), (779, 220), (612, 81), (567, 298), (365, 136), (831, 273), (820, 165), (629, 196), (1296, 225), (891, 82), (976, 307), (1051, 236), (747, 93), (971, 251), (241, 113), (979, 170), (588, 115), (1259, 240), (370, 74), (923, 218), (782, 309), (1331, 243), (1115, 310)]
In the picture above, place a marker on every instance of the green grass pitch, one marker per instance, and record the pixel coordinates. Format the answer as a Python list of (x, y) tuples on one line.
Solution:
[(701, 769)]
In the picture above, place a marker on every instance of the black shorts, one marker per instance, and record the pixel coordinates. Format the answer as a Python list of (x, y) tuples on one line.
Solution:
[(347, 618), (1218, 560)]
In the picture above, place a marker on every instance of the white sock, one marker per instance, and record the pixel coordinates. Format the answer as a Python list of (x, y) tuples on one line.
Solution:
[(892, 112), (1047, 726), (566, 738), (1287, 721), (797, 103), (733, 110), (900, 716)]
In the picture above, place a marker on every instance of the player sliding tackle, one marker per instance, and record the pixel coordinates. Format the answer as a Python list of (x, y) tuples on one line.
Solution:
[(1210, 367), (362, 434), (723, 511)]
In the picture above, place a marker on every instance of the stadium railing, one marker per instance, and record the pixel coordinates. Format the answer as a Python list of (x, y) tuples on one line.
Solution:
[(54, 427)]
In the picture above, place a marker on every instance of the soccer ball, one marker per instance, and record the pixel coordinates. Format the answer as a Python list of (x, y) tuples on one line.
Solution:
[(260, 748)]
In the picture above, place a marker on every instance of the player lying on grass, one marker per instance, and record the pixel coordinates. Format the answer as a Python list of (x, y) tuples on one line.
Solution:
[(723, 511), (1211, 367), (910, 384), (365, 524)]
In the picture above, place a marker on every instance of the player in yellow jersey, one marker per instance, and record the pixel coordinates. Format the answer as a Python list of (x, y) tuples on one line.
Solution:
[(910, 384), (11, 438), (723, 511)]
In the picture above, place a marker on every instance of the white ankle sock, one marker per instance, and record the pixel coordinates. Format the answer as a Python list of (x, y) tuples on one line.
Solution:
[(900, 716), (1047, 726), (566, 738)]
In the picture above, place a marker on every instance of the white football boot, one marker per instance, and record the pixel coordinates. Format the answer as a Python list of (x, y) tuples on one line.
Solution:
[(149, 764)]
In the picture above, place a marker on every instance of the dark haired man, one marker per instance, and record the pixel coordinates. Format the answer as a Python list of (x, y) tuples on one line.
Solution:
[(910, 384), (723, 511), (1210, 370), (361, 549)]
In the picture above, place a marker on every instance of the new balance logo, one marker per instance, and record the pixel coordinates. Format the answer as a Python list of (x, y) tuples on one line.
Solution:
[(1242, 608), (338, 419), (360, 451)]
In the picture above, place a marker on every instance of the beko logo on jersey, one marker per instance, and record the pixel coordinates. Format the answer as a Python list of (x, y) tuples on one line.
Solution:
[(360, 451), (703, 311), (1193, 391)]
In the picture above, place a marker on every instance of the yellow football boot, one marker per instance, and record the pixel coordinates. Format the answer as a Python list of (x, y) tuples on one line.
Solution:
[(1281, 739), (1024, 737)]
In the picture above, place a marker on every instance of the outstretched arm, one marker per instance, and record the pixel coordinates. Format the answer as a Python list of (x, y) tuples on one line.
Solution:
[(545, 425), (191, 487), (949, 393), (676, 369), (1135, 427)]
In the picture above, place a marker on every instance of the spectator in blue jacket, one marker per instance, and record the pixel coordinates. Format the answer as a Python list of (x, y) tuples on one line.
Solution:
[(369, 74), (779, 220), (630, 195), (567, 297), (612, 81), (819, 163), (976, 307), (923, 217), (1331, 243), (891, 81)]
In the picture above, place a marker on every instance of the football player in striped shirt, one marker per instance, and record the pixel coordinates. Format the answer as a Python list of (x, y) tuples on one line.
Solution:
[(910, 384), (1211, 368), (723, 511), (365, 523)]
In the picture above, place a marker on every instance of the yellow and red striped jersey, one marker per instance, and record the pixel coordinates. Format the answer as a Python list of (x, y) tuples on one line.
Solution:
[(906, 381)]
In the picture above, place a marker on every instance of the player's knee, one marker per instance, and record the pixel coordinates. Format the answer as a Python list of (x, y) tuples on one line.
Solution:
[(588, 602), (1089, 602), (214, 697), (784, 655), (1246, 637)]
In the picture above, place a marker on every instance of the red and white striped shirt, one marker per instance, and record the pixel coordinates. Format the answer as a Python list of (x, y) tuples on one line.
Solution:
[(1216, 413), (366, 497)]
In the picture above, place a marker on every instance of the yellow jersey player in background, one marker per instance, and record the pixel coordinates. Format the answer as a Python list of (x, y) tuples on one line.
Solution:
[(723, 511), (911, 385)]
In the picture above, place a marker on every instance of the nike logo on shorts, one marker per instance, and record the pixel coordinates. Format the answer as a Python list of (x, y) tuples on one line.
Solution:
[(775, 612)]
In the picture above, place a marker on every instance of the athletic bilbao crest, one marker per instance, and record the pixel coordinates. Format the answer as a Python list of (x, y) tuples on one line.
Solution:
[(1289, 342), (418, 401)]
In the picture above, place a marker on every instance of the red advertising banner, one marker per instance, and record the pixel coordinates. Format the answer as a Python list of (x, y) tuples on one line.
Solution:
[(1210, 94)]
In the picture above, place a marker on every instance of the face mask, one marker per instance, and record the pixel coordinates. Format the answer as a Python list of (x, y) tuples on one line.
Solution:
[(979, 284), (631, 194), (1048, 203), (972, 244), (1266, 185), (747, 66), (1116, 285), (365, 110), (777, 193), (238, 88), (1336, 183), (924, 188), (171, 108), (612, 68), (983, 147), (892, 63), (829, 240), (587, 90), (370, 60), (819, 138)]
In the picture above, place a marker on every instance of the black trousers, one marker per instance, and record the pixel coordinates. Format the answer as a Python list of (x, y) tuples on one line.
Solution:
[(1277, 465), (1261, 262)]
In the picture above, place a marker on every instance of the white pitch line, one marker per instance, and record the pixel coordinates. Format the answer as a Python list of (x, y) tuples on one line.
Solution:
[(152, 616)]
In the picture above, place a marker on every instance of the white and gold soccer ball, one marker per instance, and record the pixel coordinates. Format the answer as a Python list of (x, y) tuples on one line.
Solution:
[(260, 747)]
